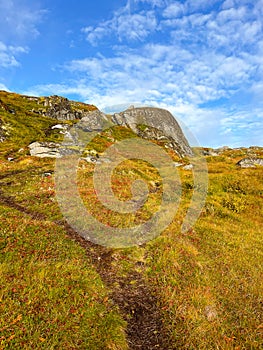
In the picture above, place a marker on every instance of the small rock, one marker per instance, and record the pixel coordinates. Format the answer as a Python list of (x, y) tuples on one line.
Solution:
[(10, 159), (47, 174), (90, 159), (210, 152), (177, 164), (210, 313), (59, 126), (188, 167)]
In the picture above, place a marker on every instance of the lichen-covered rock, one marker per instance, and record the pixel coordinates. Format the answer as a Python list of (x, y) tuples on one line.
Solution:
[(45, 149), (149, 123), (250, 162), (60, 108), (60, 127), (52, 149), (94, 121), (155, 123)]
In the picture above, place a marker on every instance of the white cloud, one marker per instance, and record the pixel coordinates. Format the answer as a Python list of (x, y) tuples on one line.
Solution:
[(18, 25), (205, 57), (8, 53), (235, 14), (153, 3), (173, 10), (95, 34), (3, 87), (228, 4), (243, 127), (211, 127), (124, 25), (180, 76), (19, 19)]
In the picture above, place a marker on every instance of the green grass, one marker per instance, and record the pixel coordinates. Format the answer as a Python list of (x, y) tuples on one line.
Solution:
[(210, 279), (51, 295), (25, 126)]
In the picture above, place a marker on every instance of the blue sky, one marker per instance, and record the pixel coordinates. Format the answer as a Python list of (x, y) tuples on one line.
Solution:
[(200, 59)]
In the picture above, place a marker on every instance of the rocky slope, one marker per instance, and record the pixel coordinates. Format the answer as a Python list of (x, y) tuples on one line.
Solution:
[(149, 123), (156, 124)]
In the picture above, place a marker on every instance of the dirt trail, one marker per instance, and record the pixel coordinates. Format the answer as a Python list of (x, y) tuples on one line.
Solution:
[(134, 297)]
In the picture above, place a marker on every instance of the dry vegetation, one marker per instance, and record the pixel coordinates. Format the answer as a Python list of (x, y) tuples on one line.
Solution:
[(207, 282)]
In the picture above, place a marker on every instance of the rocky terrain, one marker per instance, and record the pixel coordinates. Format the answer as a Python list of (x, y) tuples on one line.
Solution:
[(155, 124), (149, 123)]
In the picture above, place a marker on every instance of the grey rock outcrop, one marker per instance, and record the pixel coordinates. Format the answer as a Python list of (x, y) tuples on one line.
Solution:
[(52, 149), (94, 121), (45, 149), (60, 108), (222, 149), (149, 123), (157, 124), (210, 152), (250, 162)]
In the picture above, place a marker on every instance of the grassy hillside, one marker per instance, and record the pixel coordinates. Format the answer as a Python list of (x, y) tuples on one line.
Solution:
[(210, 279), (196, 290), (22, 122)]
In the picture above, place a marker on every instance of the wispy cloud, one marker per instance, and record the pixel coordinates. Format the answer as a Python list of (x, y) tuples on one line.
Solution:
[(18, 26), (175, 73), (210, 53), (8, 55), (3, 87), (19, 19), (124, 25)]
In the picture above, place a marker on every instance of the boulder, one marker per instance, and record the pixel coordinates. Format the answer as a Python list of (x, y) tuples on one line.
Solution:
[(250, 162), (94, 121), (45, 149), (157, 124)]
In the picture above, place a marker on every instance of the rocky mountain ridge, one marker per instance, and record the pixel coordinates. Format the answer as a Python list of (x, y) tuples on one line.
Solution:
[(149, 123), (29, 124)]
